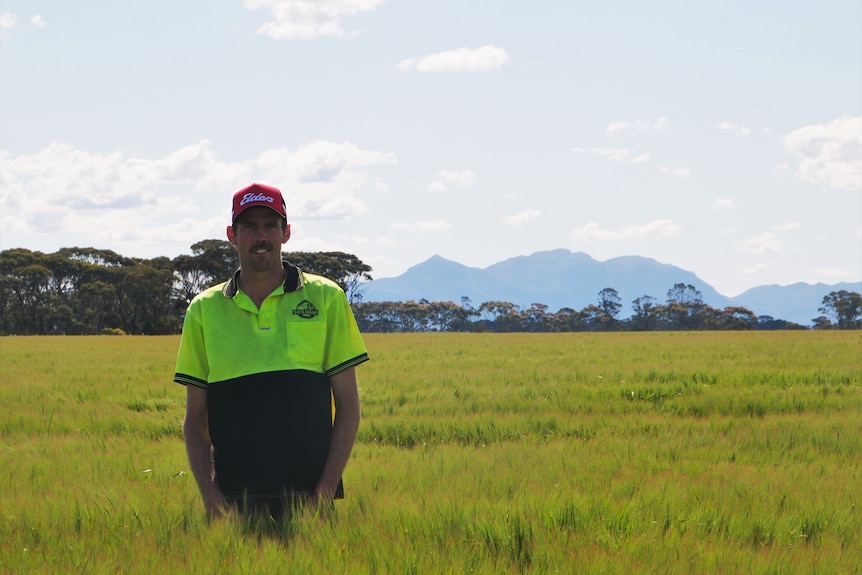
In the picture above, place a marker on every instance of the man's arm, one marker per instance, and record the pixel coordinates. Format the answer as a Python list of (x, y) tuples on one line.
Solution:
[(346, 396), (199, 449)]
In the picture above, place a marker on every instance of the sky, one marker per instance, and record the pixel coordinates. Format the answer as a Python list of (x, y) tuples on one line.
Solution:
[(723, 137)]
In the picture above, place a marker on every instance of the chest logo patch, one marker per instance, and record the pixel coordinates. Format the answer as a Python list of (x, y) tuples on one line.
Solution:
[(305, 310)]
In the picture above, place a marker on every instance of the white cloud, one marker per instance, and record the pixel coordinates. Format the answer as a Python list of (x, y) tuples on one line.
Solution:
[(660, 125), (445, 179), (762, 244), (325, 178), (723, 204), (487, 57), (678, 172), (782, 168), (424, 226), (829, 154), (522, 217), (756, 268), (786, 227), (433, 226), (614, 154), (64, 189), (821, 274), (768, 242), (741, 131), (307, 19), (655, 229), (617, 127), (7, 21), (38, 21)]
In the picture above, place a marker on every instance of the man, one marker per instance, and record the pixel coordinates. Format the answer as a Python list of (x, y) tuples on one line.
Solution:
[(269, 361)]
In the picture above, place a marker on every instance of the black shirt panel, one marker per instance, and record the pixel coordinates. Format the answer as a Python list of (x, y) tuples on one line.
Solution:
[(271, 432)]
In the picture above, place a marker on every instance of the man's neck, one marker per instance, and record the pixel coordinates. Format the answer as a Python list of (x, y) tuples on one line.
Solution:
[(258, 285)]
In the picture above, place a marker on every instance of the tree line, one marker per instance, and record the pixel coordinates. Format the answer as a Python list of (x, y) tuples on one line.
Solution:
[(82, 291), (684, 309)]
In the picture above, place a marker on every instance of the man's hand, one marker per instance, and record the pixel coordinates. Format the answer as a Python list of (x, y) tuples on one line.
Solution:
[(321, 503), (200, 451), (346, 397), (216, 505)]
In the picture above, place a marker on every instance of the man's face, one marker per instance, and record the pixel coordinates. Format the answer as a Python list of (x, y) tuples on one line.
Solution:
[(258, 239)]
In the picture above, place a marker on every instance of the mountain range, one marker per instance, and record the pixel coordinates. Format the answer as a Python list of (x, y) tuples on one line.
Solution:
[(562, 278)]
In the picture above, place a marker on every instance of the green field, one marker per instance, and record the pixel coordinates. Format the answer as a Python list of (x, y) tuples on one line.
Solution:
[(707, 452)]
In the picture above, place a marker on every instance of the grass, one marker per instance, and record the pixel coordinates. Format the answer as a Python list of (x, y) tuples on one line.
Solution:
[(478, 453)]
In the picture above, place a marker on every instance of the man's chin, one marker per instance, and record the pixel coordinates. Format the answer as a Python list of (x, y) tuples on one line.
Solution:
[(262, 262)]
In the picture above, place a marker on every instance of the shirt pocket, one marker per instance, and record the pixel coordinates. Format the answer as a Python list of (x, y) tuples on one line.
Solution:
[(306, 343)]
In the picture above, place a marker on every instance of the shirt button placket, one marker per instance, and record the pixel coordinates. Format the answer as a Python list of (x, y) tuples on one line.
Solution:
[(265, 316)]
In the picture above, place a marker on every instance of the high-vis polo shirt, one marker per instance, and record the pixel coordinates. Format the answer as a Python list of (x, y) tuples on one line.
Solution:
[(266, 372)]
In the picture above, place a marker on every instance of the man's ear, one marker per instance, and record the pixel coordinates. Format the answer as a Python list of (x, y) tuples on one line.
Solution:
[(231, 237), (286, 234)]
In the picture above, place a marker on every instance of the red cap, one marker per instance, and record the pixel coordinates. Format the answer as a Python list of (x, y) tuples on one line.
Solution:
[(258, 195)]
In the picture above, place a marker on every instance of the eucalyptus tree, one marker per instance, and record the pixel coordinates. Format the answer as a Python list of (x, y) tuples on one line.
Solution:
[(844, 308)]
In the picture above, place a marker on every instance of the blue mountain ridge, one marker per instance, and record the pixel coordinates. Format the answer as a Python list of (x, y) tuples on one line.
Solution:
[(565, 279)]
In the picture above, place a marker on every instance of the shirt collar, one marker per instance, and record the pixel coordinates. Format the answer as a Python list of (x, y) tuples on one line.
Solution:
[(293, 280)]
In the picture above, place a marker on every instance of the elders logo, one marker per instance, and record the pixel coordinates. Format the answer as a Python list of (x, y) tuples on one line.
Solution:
[(305, 310), (252, 197)]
